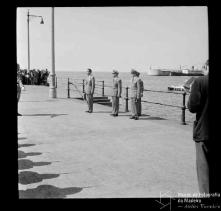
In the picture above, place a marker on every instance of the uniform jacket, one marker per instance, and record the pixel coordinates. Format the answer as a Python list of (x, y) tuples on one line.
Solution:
[(198, 103), (90, 85), (141, 87), (117, 87), (135, 88)]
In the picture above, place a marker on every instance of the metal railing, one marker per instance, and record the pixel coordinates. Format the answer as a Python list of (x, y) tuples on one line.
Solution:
[(101, 85)]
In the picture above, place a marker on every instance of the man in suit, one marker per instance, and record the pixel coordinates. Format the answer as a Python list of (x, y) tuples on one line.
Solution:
[(116, 94), (198, 103), (89, 90), (139, 110), (135, 94)]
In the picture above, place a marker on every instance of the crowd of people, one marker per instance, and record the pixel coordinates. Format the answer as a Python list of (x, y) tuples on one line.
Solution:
[(33, 77)]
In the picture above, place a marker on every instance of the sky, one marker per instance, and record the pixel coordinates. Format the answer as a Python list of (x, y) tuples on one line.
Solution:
[(107, 38)]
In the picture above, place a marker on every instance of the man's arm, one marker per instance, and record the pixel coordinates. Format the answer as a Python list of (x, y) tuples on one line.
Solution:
[(119, 88), (138, 89), (93, 85), (194, 98)]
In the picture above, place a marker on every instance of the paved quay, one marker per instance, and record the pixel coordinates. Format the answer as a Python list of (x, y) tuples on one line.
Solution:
[(64, 152)]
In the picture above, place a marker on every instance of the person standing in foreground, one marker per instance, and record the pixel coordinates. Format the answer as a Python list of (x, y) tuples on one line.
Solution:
[(89, 90), (135, 94), (117, 89), (19, 85), (198, 103), (139, 106)]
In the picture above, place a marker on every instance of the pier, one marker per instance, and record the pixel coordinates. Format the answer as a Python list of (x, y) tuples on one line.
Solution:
[(64, 152)]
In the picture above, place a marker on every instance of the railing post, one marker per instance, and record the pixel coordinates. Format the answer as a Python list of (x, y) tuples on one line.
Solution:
[(102, 88), (68, 89), (83, 87), (56, 82), (183, 109), (126, 100)]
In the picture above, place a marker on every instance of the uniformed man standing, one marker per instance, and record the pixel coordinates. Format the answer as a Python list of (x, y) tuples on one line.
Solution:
[(135, 94), (89, 90), (139, 111), (116, 94)]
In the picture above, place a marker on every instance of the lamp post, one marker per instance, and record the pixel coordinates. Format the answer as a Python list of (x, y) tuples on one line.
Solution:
[(28, 20), (52, 89)]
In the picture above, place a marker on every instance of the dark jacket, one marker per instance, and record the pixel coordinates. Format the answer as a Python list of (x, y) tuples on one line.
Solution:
[(198, 103)]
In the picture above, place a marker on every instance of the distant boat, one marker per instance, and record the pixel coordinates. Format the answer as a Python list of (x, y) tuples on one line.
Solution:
[(158, 72), (186, 72), (185, 87)]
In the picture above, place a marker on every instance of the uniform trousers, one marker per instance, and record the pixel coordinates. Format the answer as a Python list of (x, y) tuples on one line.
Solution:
[(139, 107), (89, 99), (115, 105), (134, 107)]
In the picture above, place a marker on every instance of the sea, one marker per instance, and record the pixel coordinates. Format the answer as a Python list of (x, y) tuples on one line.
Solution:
[(173, 101)]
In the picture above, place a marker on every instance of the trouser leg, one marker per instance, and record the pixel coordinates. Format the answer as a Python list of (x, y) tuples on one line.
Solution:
[(139, 107), (115, 105), (89, 99), (134, 105), (202, 167), (91, 103)]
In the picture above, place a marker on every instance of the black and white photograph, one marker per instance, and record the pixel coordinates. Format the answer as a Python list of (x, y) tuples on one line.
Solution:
[(112, 102)]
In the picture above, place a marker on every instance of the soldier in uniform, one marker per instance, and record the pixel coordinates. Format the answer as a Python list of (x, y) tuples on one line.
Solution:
[(139, 111), (117, 89), (89, 90), (135, 94)]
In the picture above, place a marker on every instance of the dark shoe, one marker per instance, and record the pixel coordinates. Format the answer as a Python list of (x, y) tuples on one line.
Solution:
[(90, 111), (136, 118), (19, 114), (132, 117), (114, 115), (87, 111)]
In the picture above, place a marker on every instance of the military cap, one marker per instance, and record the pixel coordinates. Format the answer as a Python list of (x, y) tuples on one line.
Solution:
[(115, 72), (89, 70), (133, 71)]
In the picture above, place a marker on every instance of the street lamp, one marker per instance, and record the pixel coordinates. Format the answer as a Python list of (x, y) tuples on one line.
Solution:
[(28, 20)]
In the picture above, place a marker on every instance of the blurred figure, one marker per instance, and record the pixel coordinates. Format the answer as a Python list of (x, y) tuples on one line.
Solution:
[(139, 106), (135, 94), (198, 103), (117, 89), (89, 90), (18, 86)]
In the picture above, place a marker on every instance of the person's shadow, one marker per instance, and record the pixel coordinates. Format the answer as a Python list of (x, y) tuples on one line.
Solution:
[(48, 191)]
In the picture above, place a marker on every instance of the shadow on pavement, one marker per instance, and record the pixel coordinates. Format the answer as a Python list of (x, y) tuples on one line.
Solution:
[(104, 112), (152, 118), (48, 191), (27, 164), (51, 115), (22, 154), (28, 177), (22, 138), (25, 145)]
